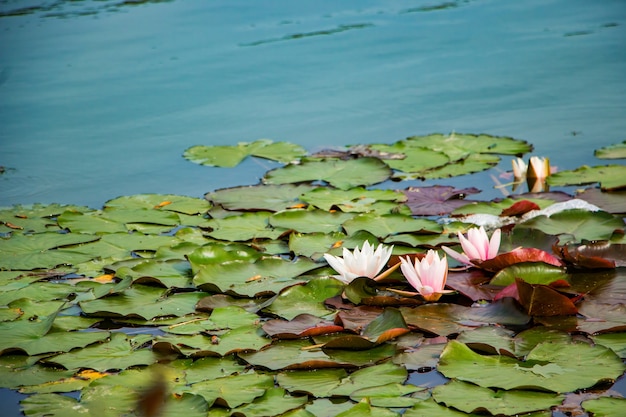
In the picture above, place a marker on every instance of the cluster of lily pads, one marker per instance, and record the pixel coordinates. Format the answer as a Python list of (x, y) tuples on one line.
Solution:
[(323, 291)]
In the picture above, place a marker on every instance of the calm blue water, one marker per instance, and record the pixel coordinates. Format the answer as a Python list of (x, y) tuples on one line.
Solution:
[(100, 98)]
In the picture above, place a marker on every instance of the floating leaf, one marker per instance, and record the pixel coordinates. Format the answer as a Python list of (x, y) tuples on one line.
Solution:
[(247, 226), (617, 151), (303, 325), (217, 253), (42, 250), (472, 398), (516, 256), (166, 202), (593, 364), (436, 200), (260, 197), (230, 156), (338, 173), (357, 199), (530, 272), (144, 302), (416, 160), (610, 177), (542, 300), (307, 298), (605, 406), (475, 162), (307, 221), (267, 275), (389, 224), (120, 352), (580, 224)]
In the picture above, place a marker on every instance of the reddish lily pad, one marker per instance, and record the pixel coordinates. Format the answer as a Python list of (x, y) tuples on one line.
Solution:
[(437, 200), (542, 300), (517, 256), (519, 208), (303, 325)]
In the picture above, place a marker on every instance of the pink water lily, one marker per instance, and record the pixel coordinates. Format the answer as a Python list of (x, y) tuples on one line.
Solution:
[(428, 275), (476, 246), (360, 263)]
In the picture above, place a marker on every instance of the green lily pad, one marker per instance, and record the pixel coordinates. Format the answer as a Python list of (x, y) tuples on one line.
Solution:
[(216, 253), (617, 151), (163, 202), (260, 197), (242, 338), (475, 162), (531, 272), (315, 245), (319, 383), (170, 274), (605, 406), (232, 390), (20, 370), (120, 352), (100, 401), (143, 302), (357, 199), (579, 224), (42, 250), (231, 156), (338, 173), (36, 218), (610, 177), (460, 145), (275, 401), (416, 159), (547, 367), (389, 224), (247, 226), (308, 298), (372, 376), (308, 221), (267, 275), (472, 398)]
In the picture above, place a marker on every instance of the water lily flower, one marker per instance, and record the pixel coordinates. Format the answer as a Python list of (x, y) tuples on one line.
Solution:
[(476, 246), (360, 263), (519, 168), (428, 275), (538, 168)]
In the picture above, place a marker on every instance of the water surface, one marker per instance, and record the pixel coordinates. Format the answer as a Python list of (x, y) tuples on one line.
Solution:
[(100, 98)]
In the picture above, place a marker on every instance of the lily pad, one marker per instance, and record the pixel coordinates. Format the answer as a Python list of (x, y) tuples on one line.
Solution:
[(260, 197), (610, 177), (617, 151), (436, 200), (247, 226), (120, 352), (389, 224), (43, 250), (307, 221), (357, 199), (579, 224), (338, 173), (472, 398), (548, 367), (230, 156), (164, 202)]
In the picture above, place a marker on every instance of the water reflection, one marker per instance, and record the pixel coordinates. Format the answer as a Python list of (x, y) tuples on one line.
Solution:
[(68, 8)]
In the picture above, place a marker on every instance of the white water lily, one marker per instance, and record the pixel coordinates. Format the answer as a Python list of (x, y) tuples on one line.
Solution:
[(538, 168), (360, 263), (519, 168), (428, 275), (477, 245)]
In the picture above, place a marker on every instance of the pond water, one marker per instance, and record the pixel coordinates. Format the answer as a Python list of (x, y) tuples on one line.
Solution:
[(100, 98)]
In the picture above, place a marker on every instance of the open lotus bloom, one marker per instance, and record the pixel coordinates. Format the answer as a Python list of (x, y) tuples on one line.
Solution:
[(360, 263), (476, 246), (428, 275)]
